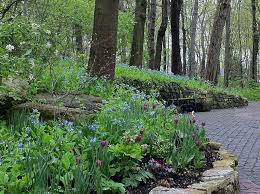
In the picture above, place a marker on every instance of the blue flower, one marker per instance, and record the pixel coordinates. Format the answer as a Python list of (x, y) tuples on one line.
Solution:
[(93, 140), (117, 86), (104, 102), (35, 121), (126, 106), (93, 127), (20, 146), (139, 126), (35, 112), (22, 158)]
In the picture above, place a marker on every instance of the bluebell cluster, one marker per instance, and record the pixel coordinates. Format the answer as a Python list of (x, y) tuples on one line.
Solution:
[(126, 106), (93, 127), (93, 140)]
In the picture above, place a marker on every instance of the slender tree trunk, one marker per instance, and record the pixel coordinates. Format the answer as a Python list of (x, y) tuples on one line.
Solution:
[(194, 21), (136, 58), (151, 33), (175, 31), (104, 39), (164, 54), (227, 60), (253, 69), (79, 38), (26, 8), (240, 45), (184, 39), (215, 41), (161, 35), (203, 49)]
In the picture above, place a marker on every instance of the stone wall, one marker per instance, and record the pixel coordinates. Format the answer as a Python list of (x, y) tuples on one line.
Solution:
[(205, 100), (220, 100), (223, 178)]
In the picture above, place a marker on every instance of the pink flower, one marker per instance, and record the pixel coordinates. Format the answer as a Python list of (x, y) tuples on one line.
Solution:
[(142, 131), (145, 107), (138, 138), (176, 120), (193, 120), (197, 143), (203, 124), (98, 163), (78, 160), (103, 143), (193, 136), (154, 105), (197, 127)]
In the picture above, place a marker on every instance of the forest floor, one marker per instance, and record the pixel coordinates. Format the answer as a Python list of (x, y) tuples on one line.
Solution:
[(238, 130)]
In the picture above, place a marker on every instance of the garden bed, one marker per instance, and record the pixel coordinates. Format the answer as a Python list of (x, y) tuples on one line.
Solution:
[(166, 177), (223, 178), (110, 154)]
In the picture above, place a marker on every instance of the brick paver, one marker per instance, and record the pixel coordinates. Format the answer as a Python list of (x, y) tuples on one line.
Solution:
[(238, 130)]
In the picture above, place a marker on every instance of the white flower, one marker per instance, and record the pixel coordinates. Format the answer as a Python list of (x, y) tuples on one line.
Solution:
[(31, 77), (193, 113), (56, 52), (9, 47), (48, 45), (32, 63), (48, 32), (35, 26)]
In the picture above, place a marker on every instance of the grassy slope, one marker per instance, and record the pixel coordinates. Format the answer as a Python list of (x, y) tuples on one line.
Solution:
[(252, 94)]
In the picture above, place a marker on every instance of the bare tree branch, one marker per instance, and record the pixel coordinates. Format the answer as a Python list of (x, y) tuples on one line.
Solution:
[(8, 8)]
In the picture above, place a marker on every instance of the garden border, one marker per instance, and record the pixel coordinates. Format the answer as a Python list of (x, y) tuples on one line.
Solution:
[(222, 178)]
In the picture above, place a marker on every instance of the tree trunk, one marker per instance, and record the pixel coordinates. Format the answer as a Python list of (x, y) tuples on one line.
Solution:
[(136, 58), (104, 39), (228, 58), (203, 49), (151, 33), (164, 54), (240, 45), (253, 68), (175, 31), (215, 41), (194, 21), (25, 8), (161, 35), (79, 38), (184, 39)]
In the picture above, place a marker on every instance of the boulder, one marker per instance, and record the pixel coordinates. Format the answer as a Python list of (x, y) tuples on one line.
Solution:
[(12, 92), (69, 106)]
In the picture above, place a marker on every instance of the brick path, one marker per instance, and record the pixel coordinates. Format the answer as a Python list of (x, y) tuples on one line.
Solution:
[(238, 130)]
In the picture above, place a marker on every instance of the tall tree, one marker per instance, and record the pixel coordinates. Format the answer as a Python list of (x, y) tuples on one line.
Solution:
[(175, 31), (227, 60), (151, 32), (194, 21), (215, 41), (253, 68), (184, 41), (104, 39), (161, 35), (136, 58), (203, 49)]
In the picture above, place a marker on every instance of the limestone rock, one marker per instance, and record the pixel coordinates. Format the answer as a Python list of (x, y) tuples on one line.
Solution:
[(73, 107), (214, 145), (12, 92), (163, 190)]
